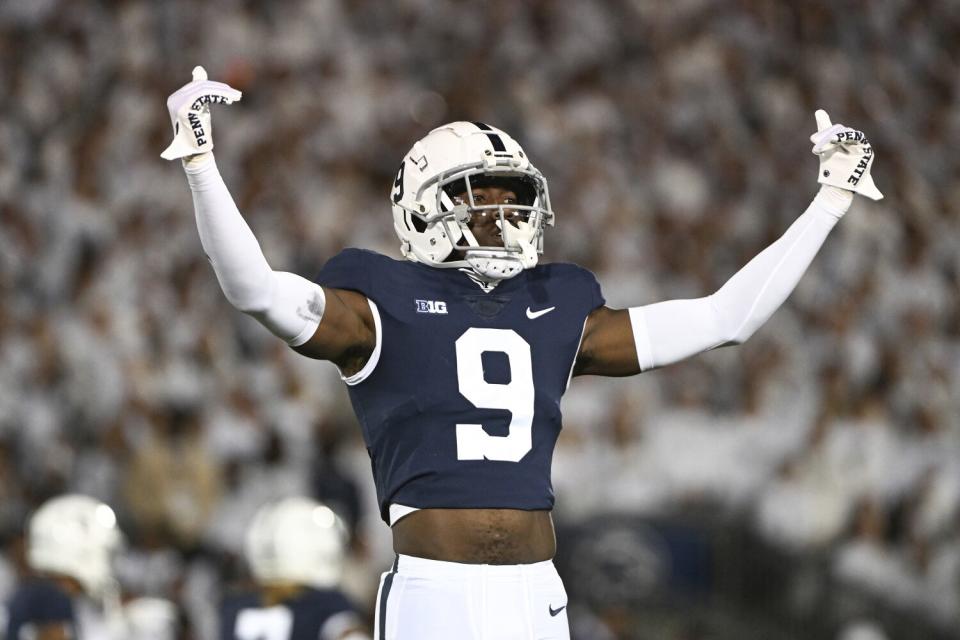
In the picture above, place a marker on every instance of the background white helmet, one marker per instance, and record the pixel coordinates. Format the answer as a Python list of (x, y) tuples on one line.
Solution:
[(450, 160), (296, 541), (76, 536)]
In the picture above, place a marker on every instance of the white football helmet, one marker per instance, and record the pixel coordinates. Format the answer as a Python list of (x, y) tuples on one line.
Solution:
[(451, 160), (296, 541), (76, 536)]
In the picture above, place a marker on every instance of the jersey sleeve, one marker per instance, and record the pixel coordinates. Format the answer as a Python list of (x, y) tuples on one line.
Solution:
[(595, 297), (349, 269), (580, 286)]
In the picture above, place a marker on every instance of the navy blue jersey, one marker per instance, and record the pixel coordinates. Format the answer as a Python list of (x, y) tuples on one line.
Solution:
[(244, 616), (460, 402), (37, 603)]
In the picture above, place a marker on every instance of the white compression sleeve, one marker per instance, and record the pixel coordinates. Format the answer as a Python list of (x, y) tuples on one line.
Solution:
[(290, 306), (670, 331)]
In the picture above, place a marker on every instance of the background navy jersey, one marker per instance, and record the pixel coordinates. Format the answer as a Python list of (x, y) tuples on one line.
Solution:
[(243, 616), (460, 404), (38, 602)]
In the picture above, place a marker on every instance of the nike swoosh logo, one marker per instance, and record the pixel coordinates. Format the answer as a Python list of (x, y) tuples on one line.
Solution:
[(533, 315), (554, 612)]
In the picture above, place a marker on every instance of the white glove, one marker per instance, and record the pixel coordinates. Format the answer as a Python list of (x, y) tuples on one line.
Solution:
[(189, 109), (845, 157)]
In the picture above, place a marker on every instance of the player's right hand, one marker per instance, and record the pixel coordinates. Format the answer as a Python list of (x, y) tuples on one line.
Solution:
[(189, 109), (845, 157)]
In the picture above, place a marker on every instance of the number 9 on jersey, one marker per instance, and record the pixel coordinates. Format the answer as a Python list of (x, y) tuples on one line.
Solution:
[(516, 396)]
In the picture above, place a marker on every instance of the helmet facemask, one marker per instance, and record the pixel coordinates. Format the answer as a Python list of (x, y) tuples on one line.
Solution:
[(520, 225)]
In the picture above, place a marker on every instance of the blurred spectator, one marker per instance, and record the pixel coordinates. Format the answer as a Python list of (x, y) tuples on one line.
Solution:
[(172, 483)]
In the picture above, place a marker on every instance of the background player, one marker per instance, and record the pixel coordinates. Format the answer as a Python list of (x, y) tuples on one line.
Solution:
[(71, 541), (461, 412), (295, 549)]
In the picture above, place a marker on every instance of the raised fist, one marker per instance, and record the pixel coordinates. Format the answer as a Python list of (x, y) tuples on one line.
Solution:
[(845, 157)]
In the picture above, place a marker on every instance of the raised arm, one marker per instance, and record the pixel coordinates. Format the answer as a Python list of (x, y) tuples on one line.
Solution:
[(628, 341), (327, 324)]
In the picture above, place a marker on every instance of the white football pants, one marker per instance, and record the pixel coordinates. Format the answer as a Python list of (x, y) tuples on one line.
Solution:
[(432, 600)]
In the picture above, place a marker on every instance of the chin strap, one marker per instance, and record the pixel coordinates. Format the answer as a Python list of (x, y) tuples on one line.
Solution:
[(486, 285), (493, 265)]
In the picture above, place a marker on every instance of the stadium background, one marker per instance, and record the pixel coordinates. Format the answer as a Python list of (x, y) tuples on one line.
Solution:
[(802, 486)]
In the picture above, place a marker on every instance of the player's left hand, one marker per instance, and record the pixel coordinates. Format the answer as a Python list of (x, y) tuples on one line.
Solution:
[(189, 109), (845, 157)]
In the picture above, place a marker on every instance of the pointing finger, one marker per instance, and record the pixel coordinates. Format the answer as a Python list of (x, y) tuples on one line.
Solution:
[(199, 74), (823, 120)]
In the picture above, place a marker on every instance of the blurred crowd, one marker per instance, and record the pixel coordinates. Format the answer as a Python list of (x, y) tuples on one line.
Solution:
[(675, 138)]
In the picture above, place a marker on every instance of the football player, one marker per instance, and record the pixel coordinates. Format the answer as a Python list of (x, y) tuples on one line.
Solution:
[(295, 550), (457, 356), (71, 540)]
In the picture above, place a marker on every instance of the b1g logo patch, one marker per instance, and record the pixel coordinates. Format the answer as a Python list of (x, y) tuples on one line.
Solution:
[(431, 306)]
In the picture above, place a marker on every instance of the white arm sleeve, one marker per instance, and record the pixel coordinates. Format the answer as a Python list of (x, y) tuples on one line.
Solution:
[(670, 331), (290, 306)]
